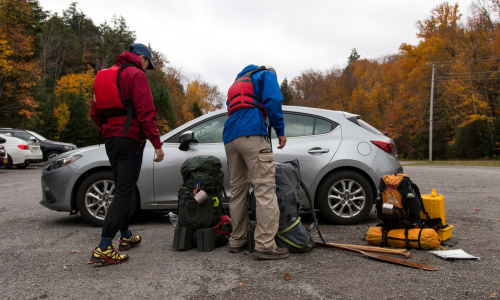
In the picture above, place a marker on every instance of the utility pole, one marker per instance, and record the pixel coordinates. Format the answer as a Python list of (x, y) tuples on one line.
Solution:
[(431, 111)]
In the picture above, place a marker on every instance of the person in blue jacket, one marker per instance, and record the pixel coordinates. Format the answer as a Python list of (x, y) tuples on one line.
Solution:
[(253, 98)]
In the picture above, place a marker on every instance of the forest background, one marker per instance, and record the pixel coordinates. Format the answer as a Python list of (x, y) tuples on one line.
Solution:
[(48, 64)]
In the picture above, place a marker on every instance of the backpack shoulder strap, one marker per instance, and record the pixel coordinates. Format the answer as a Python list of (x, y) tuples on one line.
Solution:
[(125, 102)]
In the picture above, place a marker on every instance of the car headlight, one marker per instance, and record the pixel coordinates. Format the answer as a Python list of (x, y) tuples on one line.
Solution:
[(62, 161), (68, 148)]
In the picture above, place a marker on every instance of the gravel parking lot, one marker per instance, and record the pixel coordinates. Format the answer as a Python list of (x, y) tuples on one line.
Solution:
[(44, 253)]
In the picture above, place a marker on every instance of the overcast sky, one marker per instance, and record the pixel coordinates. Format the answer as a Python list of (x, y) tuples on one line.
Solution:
[(213, 40)]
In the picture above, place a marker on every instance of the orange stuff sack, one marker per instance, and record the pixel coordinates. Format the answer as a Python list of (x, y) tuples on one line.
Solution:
[(417, 238)]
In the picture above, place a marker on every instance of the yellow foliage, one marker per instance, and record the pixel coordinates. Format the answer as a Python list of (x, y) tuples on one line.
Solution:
[(6, 65), (75, 84), (61, 114)]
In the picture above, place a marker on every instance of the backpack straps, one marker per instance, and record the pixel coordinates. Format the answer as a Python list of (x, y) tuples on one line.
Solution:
[(311, 203), (126, 102)]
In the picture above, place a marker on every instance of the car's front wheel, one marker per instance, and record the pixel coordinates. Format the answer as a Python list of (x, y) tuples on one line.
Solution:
[(51, 154), (95, 195), (345, 198)]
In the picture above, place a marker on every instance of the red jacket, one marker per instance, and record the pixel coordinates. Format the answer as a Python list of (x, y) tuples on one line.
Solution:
[(134, 86)]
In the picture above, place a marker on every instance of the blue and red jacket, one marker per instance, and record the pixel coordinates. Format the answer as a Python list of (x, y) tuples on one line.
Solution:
[(249, 119)]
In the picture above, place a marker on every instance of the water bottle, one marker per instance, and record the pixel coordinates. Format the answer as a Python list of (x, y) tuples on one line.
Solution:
[(173, 218)]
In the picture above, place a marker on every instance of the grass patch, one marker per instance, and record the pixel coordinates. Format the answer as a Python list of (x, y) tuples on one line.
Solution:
[(479, 163)]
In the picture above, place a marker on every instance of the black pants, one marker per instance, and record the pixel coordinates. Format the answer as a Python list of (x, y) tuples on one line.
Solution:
[(125, 157)]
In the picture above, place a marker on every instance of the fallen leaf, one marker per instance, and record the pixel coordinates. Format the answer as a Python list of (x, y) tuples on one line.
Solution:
[(476, 209), (239, 284), (494, 295), (466, 293), (75, 251), (491, 197), (67, 265), (472, 229), (288, 277)]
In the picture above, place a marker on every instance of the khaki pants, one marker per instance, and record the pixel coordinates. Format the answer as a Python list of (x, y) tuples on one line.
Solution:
[(246, 162)]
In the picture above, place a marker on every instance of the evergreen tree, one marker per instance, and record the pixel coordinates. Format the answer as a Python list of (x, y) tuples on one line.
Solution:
[(286, 92), (196, 110)]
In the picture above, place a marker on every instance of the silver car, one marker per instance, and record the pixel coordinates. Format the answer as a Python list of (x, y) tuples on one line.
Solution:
[(342, 159)]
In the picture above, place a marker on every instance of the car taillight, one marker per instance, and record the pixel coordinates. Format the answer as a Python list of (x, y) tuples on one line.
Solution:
[(23, 147), (386, 146)]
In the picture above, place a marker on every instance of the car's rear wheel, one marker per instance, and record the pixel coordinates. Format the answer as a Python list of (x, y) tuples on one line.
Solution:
[(8, 165), (345, 198), (95, 195)]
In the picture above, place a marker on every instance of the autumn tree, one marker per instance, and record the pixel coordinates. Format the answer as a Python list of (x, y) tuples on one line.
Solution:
[(200, 97), (73, 96), (19, 70)]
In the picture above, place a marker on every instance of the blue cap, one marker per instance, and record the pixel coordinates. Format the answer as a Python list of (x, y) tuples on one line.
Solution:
[(140, 49)]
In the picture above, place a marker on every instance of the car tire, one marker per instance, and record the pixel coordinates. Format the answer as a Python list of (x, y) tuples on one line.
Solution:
[(8, 165), (94, 196), (51, 154), (345, 198), (22, 166)]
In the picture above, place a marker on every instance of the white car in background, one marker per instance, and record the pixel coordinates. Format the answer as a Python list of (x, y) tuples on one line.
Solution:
[(20, 153)]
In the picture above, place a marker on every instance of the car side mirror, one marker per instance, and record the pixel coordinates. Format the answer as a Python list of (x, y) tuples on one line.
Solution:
[(2, 140), (33, 139), (185, 139)]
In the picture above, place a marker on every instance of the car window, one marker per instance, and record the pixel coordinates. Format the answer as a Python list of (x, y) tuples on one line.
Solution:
[(322, 126), (210, 131), (38, 136), (22, 135), (304, 125), (357, 120)]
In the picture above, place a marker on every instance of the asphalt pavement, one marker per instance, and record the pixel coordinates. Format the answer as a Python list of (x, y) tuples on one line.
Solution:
[(44, 253)]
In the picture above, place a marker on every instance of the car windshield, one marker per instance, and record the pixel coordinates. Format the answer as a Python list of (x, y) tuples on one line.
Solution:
[(38, 137)]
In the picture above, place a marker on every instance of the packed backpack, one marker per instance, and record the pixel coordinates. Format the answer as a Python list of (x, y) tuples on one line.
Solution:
[(399, 206), (292, 234), (201, 217)]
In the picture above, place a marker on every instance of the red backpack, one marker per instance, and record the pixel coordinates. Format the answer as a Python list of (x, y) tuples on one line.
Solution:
[(109, 99)]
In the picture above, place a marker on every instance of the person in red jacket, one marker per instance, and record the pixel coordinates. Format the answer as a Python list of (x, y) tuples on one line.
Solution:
[(124, 128)]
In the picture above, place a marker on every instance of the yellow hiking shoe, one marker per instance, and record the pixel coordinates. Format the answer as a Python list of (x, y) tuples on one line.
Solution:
[(104, 257), (127, 244)]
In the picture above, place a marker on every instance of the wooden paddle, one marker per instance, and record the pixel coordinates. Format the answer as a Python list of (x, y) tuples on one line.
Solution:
[(404, 252), (380, 257)]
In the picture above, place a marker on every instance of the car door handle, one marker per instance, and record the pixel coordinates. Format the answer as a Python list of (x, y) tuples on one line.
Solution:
[(318, 150)]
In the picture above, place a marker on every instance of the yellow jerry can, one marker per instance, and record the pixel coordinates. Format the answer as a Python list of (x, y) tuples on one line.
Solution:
[(434, 206)]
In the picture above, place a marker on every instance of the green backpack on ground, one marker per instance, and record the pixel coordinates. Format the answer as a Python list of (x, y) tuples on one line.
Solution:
[(201, 172)]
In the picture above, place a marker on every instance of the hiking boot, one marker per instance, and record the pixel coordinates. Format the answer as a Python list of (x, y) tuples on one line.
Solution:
[(104, 257), (127, 244), (278, 253), (237, 249)]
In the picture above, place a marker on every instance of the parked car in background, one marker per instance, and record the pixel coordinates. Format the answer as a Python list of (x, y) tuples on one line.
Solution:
[(342, 159), (20, 153), (49, 148)]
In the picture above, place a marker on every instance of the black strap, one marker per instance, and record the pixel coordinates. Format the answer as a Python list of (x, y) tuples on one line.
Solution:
[(126, 102), (311, 204)]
